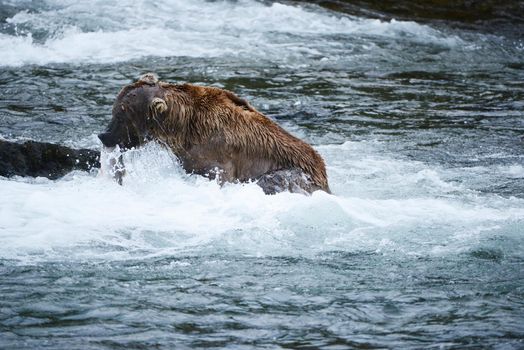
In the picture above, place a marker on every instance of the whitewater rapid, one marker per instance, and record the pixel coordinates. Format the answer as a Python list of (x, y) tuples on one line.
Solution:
[(382, 201), (379, 204), (63, 31)]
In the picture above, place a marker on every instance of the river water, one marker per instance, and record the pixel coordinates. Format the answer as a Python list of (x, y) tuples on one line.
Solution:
[(422, 129)]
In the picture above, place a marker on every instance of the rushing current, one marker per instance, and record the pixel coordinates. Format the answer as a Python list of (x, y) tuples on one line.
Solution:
[(421, 125)]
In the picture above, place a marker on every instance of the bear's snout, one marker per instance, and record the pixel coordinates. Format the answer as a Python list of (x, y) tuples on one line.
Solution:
[(107, 139)]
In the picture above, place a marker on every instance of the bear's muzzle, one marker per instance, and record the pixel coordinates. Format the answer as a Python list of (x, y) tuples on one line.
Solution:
[(108, 139)]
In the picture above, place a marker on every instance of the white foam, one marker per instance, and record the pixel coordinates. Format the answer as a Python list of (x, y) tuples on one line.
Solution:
[(115, 31), (160, 210), (515, 171)]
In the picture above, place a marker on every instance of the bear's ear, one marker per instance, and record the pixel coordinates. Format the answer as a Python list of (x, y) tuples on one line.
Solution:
[(149, 78), (158, 106)]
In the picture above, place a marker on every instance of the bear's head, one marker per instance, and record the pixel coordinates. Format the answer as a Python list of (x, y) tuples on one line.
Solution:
[(136, 108)]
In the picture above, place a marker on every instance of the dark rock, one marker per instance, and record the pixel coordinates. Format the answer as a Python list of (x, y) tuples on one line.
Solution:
[(486, 15), (292, 180), (49, 160)]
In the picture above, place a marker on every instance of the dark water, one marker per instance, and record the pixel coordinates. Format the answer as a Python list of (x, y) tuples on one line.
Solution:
[(217, 301), (421, 125)]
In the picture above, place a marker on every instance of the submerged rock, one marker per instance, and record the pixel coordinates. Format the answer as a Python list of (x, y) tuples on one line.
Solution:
[(49, 160), (292, 180)]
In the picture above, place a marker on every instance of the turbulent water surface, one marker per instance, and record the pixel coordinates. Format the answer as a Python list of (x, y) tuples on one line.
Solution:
[(421, 126)]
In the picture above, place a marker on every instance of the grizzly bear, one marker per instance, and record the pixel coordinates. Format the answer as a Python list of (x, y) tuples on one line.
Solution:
[(214, 133)]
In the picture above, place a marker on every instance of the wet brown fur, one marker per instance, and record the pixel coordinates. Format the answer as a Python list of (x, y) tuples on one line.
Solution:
[(210, 128)]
